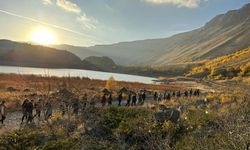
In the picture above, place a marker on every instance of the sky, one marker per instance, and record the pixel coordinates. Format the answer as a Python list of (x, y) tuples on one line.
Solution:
[(92, 22)]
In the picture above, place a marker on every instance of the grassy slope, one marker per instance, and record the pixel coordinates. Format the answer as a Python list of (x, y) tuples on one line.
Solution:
[(231, 65)]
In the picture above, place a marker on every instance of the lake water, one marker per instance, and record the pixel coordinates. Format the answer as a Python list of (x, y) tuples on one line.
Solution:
[(75, 73)]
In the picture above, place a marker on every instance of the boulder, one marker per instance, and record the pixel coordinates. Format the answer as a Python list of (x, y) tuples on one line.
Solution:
[(26, 90), (11, 89), (65, 93), (167, 114)]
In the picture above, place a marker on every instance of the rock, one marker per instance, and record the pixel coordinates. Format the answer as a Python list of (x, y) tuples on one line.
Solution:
[(65, 93), (33, 95), (11, 89), (167, 114), (201, 102), (26, 90)]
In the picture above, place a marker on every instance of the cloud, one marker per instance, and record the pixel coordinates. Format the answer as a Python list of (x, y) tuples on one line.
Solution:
[(47, 2), (87, 22), (68, 6), (82, 18), (179, 3)]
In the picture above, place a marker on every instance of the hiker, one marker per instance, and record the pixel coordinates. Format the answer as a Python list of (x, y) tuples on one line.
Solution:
[(110, 99), (186, 93), (24, 110), (38, 108), (75, 106), (119, 98), (143, 97), (48, 110), (155, 96), (128, 100), (29, 109), (168, 96), (103, 100), (165, 95), (139, 98), (191, 92), (173, 94), (3, 111), (160, 97), (84, 101), (198, 92), (134, 100), (178, 94)]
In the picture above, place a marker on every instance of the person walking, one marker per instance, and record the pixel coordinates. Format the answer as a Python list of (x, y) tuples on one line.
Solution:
[(134, 100), (3, 112), (75, 106), (168, 96), (104, 99), (173, 94), (110, 99), (48, 110), (29, 109), (38, 108), (178, 94), (186, 93), (140, 98), (24, 110), (191, 92), (128, 100), (119, 98), (155, 96), (160, 97), (143, 97)]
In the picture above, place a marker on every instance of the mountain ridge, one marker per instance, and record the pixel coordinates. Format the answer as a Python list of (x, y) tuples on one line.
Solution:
[(222, 35)]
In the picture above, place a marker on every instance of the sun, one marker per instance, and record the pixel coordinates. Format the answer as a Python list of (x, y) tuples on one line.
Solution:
[(43, 36)]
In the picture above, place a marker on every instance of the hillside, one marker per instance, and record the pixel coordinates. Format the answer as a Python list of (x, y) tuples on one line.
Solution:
[(223, 35), (102, 62), (79, 51), (229, 66), (23, 54)]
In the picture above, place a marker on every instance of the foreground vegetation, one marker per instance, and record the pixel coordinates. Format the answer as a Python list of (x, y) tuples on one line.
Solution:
[(218, 120)]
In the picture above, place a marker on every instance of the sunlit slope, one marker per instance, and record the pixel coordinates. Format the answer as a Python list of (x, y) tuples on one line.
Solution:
[(236, 64)]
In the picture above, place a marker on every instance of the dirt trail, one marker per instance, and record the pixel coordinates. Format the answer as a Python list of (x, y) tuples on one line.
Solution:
[(12, 122)]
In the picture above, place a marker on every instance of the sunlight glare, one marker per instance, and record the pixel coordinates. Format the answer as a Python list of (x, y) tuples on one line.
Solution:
[(43, 36)]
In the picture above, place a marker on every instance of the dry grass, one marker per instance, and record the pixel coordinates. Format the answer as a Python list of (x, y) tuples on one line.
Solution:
[(45, 85)]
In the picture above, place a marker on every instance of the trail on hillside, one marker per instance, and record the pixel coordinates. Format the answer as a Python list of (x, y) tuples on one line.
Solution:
[(13, 119)]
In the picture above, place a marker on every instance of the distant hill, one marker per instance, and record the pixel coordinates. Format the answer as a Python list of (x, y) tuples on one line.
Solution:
[(102, 62), (232, 65), (223, 35), (82, 52), (23, 54)]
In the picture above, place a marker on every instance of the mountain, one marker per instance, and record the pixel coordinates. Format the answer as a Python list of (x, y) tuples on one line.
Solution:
[(232, 65), (102, 62), (28, 55), (23, 54), (224, 34), (82, 52)]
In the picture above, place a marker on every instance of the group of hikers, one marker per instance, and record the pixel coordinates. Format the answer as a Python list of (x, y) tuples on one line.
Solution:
[(132, 98), (29, 106), (73, 105), (168, 95)]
